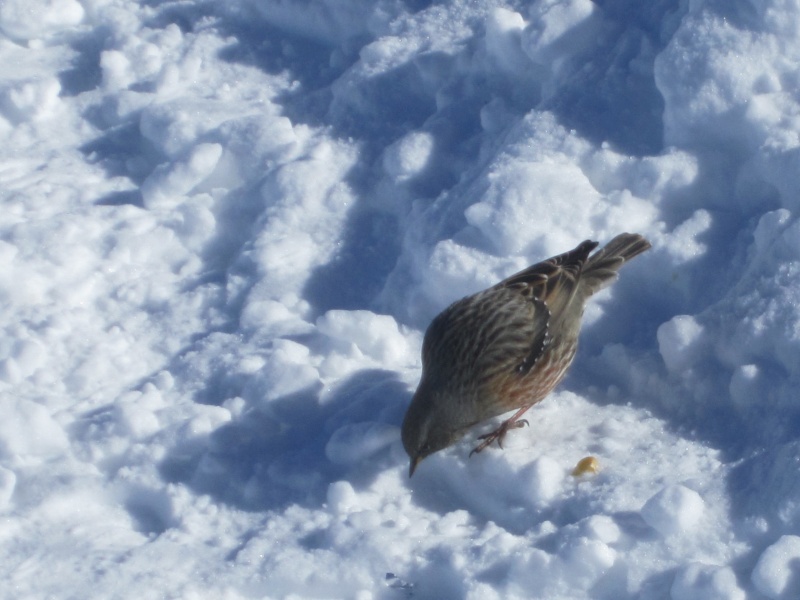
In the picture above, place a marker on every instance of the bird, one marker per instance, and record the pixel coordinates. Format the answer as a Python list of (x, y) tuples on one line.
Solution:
[(507, 347)]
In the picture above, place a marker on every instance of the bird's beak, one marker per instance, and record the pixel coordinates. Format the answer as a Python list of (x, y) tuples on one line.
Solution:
[(413, 466)]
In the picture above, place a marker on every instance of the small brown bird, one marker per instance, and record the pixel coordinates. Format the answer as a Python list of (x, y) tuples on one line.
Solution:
[(506, 347)]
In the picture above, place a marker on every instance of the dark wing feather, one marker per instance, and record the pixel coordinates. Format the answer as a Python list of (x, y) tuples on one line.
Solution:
[(513, 335), (549, 286), (541, 336), (492, 331), (543, 279), (504, 328)]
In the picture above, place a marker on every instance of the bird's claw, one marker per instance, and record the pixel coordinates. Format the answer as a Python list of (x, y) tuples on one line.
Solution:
[(498, 434), (487, 441)]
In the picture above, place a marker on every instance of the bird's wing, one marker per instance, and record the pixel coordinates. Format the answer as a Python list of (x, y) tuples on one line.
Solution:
[(515, 335), (548, 287), (554, 280), (478, 336), (506, 327)]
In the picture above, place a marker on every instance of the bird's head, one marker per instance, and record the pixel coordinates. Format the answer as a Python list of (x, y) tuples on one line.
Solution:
[(428, 425)]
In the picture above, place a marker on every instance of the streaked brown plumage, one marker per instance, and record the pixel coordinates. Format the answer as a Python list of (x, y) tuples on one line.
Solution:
[(506, 347)]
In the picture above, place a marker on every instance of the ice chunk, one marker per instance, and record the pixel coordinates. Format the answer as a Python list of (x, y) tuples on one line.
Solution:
[(116, 70), (377, 336), (136, 421), (559, 29), (674, 510), (176, 127), (699, 581), (679, 341), (602, 528), (208, 419), (777, 573), (27, 429), (409, 155), (166, 186), (342, 497), (287, 370), (31, 100), (272, 316), (503, 40), (589, 559), (684, 242)]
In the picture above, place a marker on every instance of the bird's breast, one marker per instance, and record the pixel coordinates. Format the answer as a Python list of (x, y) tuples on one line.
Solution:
[(511, 390)]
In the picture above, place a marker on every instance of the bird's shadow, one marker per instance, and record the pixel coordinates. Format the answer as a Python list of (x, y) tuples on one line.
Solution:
[(290, 450)]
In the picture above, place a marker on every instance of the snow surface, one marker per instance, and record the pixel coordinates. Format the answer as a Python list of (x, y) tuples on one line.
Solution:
[(226, 226)]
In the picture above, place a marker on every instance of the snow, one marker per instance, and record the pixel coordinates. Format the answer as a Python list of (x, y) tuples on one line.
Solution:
[(226, 226), (698, 581), (675, 510), (30, 20), (680, 343), (776, 574)]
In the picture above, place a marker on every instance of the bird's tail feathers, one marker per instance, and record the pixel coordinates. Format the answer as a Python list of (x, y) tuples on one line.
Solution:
[(601, 268)]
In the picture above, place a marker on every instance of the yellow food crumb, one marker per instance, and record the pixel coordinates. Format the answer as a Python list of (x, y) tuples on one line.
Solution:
[(586, 465)]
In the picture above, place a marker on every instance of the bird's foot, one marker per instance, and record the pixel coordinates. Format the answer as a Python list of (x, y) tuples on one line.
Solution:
[(499, 433)]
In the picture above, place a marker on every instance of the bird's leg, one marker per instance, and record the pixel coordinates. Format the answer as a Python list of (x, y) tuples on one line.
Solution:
[(498, 434)]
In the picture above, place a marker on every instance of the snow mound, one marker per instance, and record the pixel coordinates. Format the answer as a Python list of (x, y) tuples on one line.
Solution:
[(698, 581), (675, 510), (777, 573)]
